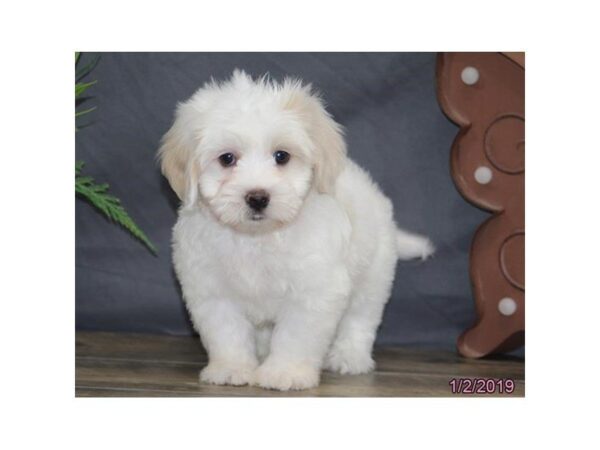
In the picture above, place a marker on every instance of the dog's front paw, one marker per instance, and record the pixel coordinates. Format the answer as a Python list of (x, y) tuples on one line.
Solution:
[(349, 363), (227, 373), (285, 377)]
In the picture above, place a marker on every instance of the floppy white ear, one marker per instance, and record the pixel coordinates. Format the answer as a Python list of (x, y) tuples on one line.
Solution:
[(176, 157), (326, 133), (330, 149)]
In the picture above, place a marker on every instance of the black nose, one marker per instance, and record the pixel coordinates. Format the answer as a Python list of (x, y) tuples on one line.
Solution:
[(257, 200)]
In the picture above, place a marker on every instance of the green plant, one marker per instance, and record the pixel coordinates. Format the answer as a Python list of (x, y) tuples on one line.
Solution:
[(85, 187), (81, 87)]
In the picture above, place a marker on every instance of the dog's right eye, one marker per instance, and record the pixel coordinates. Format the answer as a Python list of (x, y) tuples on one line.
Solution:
[(227, 159)]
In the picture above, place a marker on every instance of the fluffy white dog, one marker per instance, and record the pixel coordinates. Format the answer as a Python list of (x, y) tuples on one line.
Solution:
[(285, 249)]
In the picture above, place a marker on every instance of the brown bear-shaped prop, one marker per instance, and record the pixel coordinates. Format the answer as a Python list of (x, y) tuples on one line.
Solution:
[(484, 93)]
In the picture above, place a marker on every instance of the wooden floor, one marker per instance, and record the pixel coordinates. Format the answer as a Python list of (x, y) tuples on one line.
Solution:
[(134, 365)]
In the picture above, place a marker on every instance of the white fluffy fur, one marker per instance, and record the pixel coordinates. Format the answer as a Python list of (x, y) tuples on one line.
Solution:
[(278, 299)]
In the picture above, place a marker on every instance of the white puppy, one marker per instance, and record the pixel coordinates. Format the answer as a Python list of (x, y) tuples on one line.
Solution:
[(285, 249)]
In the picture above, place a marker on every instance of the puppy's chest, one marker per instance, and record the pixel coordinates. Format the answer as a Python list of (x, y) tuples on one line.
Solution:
[(257, 271)]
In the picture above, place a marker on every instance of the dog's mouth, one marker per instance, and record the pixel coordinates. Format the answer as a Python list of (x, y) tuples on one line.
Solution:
[(257, 217)]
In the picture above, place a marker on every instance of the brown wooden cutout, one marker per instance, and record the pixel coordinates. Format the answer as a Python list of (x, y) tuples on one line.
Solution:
[(484, 93)]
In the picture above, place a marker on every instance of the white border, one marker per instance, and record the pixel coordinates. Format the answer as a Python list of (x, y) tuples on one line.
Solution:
[(38, 40)]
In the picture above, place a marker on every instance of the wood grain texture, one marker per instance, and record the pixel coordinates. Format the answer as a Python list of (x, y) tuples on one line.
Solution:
[(134, 365)]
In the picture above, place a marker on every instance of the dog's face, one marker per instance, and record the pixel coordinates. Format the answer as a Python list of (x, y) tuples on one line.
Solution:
[(255, 164), (251, 151)]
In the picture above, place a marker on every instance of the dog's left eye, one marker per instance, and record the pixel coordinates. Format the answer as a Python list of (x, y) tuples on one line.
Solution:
[(281, 157), (227, 159)]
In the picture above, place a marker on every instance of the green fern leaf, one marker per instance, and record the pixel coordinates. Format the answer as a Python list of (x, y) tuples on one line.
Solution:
[(80, 88), (81, 72), (81, 113), (98, 196)]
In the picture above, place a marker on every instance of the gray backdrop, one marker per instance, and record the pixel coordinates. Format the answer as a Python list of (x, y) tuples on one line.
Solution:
[(395, 129)]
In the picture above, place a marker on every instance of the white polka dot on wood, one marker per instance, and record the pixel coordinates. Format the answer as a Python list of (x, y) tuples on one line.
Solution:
[(483, 175), (469, 75), (507, 306)]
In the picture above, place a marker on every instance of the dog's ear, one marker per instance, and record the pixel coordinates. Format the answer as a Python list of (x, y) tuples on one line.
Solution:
[(176, 156), (330, 149), (326, 134)]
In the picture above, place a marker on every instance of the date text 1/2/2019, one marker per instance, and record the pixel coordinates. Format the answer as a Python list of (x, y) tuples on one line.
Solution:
[(482, 385)]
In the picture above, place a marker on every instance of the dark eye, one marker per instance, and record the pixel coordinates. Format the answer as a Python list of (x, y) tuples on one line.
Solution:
[(227, 159), (281, 157)]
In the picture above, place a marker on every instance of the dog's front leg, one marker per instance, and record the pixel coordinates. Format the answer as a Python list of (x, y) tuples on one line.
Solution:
[(300, 340), (228, 337)]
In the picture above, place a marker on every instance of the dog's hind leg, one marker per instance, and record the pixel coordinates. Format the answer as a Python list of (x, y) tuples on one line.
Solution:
[(351, 350)]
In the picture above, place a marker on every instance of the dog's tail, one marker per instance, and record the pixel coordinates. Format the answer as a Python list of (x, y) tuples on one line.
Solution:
[(411, 246)]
